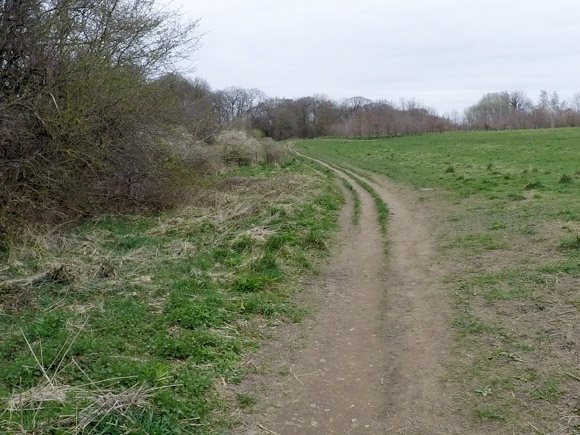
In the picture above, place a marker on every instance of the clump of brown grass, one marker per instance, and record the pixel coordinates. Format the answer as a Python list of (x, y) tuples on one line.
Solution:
[(274, 153)]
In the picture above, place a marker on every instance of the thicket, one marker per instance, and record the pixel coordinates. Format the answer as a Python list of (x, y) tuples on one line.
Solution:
[(86, 106)]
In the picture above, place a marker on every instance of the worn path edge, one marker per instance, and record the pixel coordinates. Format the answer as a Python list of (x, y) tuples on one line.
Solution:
[(374, 360)]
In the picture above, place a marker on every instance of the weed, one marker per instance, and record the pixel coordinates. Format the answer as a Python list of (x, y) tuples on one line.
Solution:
[(489, 413), (570, 244), (484, 391), (566, 179), (527, 230), (501, 294), (528, 376), (450, 169), (515, 197), (498, 225), (550, 391), (278, 241), (468, 323), (478, 241), (246, 400), (250, 284)]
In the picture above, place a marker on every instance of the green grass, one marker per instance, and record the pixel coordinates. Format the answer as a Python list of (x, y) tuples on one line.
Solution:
[(510, 241), (489, 413), (382, 210), (533, 158), (381, 206), (168, 304), (356, 200)]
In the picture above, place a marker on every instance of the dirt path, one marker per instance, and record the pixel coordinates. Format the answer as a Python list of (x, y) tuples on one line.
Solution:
[(373, 361)]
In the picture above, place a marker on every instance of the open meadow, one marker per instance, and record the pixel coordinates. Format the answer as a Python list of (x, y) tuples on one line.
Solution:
[(509, 241)]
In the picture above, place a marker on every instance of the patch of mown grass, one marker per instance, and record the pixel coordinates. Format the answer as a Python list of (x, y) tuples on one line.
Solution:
[(166, 305), (520, 158)]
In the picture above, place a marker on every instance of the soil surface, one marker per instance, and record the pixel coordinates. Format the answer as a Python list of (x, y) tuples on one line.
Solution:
[(374, 358)]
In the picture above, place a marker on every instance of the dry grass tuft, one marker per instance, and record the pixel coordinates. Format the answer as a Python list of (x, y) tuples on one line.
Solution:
[(93, 400), (274, 153), (93, 405)]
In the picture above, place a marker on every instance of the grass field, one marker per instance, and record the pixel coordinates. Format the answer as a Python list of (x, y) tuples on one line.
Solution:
[(512, 235), (139, 324)]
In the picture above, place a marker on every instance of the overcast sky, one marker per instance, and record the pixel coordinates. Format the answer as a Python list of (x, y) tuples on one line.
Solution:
[(444, 53)]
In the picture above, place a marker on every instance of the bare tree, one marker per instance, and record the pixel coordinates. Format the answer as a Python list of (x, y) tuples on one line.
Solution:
[(236, 104)]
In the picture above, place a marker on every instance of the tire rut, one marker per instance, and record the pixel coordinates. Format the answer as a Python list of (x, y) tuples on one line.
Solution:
[(373, 362), (338, 373)]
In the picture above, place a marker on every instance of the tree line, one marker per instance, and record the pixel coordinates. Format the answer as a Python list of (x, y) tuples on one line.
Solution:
[(515, 110), (320, 116)]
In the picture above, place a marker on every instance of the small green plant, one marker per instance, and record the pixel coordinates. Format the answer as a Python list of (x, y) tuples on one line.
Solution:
[(489, 413), (527, 230), (498, 225), (515, 197), (468, 323), (484, 391), (550, 391), (450, 169), (527, 376), (278, 241), (570, 244), (245, 400), (566, 179)]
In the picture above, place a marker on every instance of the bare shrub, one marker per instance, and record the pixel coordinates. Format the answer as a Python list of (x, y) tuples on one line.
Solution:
[(203, 160), (235, 147), (274, 153), (80, 111)]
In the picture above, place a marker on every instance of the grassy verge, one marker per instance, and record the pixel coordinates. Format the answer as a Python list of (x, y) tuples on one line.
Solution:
[(382, 210), (356, 199), (510, 246), (136, 324)]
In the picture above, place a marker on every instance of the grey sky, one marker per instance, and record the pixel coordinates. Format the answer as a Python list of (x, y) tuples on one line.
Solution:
[(444, 53)]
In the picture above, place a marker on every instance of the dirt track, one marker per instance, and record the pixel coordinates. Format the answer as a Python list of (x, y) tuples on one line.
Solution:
[(373, 361)]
